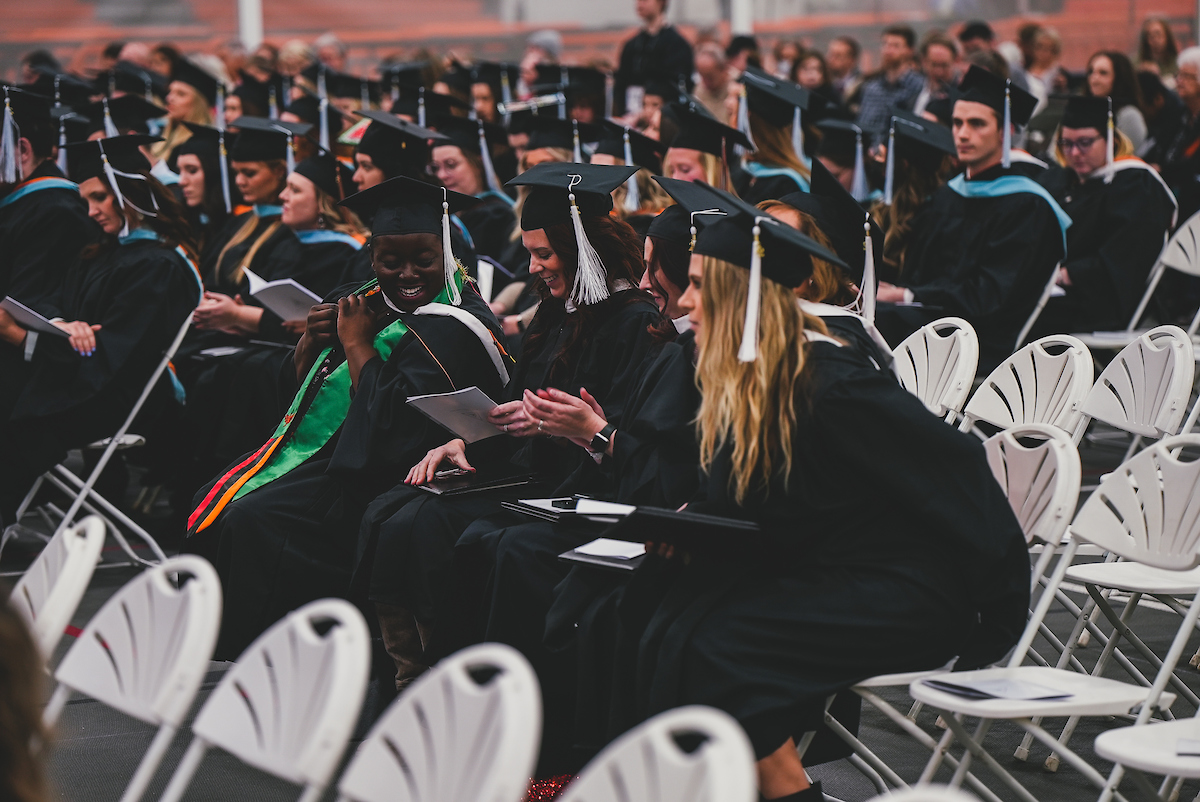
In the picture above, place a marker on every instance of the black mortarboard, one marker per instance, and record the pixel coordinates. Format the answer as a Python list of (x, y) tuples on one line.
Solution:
[(981, 86), (255, 96), (328, 173), (340, 84), (127, 112), (28, 108), (458, 78), (699, 131), (75, 126), (695, 207), (84, 158), (23, 114), (1086, 112), (423, 105), (403, 75), (125, 76), (396, 146), (640, 149), (550, 132), (943, 107), (667, 88), (773, 99), (464, 132), (260, 139), (61, 87), (198, 78), (840, 217), (495, 75), (404, 205), (916, 139), (842, 143), (308, 108), (206, 142)]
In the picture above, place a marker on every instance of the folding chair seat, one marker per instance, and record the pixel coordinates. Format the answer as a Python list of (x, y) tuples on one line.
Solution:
[(651, 764), (1146, 511), (1035, 385), (146, 652), (1153, 749), (48, 593), (290, 703), (937, 363), (467, 730)]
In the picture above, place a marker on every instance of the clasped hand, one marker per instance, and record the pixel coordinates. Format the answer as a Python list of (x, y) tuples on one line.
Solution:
[(561, 414), (219, 312)]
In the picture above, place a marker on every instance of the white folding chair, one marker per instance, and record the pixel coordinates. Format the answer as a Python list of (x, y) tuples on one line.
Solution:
[(926, 793), (1154, 749), (82, 492), (1148, 511), (1182, 254), (49, 591), (649, 764), (289, 704), (937, 363), (1043, 299), (467, 730), (145, 653), (1038, 467), (1035, 385)]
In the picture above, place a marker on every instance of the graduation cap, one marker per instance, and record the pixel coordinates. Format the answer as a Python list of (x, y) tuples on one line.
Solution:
[(1013, 105), (365, 90), (403, 75), (842, 141), (329, 174), (551, 132), (260, 139), (501, 77), (72, 127), (754, 240), (65, 89), (203, 81), (257, 97), (670, 90), (404, 205), (318, 112), (566, 193), (633, 147), (396, 146), (777, 101), (703, 132), (474, 136), (422, 104), (207, 142), (917, 137), (113, 157), (318, 74), (695, 206), (458, 78), (943, 107), (120, 115), (21, 109), (125, 76), (1093, 112)]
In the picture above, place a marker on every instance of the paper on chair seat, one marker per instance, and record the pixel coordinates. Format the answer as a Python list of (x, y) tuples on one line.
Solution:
[(617, 549), (997, 689), (286, 297)]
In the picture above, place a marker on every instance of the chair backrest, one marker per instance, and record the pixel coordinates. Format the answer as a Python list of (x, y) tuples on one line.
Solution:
[(48, 593), (1148, 509), (146, 651), (1145, 389), (1036, 386), (653, 762), (1183, 249), (468, 730), (926, 793), (290, 702), (937, 363), (1041, 480)]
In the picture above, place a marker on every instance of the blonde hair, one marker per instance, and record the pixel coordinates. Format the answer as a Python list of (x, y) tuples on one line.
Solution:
[(338, 218), (652, 198), (749, 404), (177, 133), (278, 166), (828, 283), (715, 174), (773, 146), (1122, 145)]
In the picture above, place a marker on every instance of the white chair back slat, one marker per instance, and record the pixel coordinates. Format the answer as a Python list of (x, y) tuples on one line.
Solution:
[(146, 651), (1183, 249), (291, 700), (1035, 386), (1148, 509), (937, 363), (1145, 389), (49, 591), (468, 730), (649, 765), (1040, 480)]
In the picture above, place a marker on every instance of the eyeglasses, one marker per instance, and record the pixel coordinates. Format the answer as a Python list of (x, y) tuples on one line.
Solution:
[(1082, 144)]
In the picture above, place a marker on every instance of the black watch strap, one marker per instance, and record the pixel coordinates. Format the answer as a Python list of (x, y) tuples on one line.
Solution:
[(602, 439)]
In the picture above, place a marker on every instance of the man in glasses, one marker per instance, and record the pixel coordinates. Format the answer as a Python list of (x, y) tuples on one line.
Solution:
[(1121, 212)]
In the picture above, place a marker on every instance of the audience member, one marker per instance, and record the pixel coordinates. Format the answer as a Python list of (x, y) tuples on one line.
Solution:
[(1110, 74), (1157, 51), (658, 50), (938, 59), (331, 51), (1179, 158), (712, 70), (742, 52), (897, 84), (842, 58)]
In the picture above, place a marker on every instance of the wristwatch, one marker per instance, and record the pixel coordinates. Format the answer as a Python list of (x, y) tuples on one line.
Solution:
[(602, 439)]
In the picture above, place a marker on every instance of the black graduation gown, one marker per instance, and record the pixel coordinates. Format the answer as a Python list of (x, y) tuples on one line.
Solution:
[(665, 55), (293, 540), (407, 537), (935, 565), (140, 293), (1116, 234), (490, 224), (986, 260)]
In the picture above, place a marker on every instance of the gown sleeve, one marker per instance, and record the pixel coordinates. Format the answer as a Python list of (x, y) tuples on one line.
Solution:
[(45, 240)]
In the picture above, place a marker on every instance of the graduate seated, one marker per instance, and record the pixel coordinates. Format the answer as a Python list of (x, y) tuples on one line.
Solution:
[(989, 241), (1121, 212), (122, 305), (280, 523)]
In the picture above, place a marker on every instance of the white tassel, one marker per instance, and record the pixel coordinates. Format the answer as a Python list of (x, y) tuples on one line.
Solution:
[(858, 186), (632, 201), (869, 287), (395, 100), (889, 175), (564, 78), (591, 277), (421, 107), (61, 158), (449, 264), (743, 124), (323, 136), (220, 106), (57, 93), (224, 158), (111, 175), (1110, 147), (608, 95), (489, 170), (1006, 154), (797, 134), (578, 151), (110, 128), (748, 352), (291, 155), (321, 93), (506, 94), (10, 165), (272, 103), (149, 91)]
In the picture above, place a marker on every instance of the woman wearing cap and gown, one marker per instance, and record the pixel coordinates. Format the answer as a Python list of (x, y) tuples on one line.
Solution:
[(770, 110), (591, 332), (122, 302), (833, 590), (280, 524), (193, 97), (204, 182), (639, 199), (1120, 213), (700, 150)]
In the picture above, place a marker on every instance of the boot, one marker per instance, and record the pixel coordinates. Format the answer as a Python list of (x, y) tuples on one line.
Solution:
[(402, 641), (810, 794)]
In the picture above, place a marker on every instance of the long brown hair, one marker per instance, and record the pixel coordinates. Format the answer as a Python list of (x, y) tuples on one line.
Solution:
[(749, 405), (914, 184), (170, 223), (828, 283), (22, 777), (773, 146)]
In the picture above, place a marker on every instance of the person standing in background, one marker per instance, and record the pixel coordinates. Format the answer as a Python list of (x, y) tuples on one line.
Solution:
[(1157, 51), (938, 57), (842, 58), (658, 49), (712, 73), (897, 84)]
